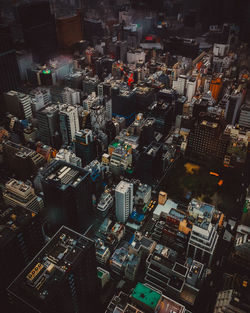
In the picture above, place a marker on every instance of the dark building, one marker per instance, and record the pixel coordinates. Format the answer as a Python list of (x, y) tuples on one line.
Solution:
[(149, 165), (207, 139), (67, 196), (49, 125), (147, 133), (21, 161), (200, 106), (92, 28), (179, 103), (20, 238), (39, 29), (164, 117), (69, 30), (123, 104), (61, 278), (180, 46), (9, 71), (84, 146)]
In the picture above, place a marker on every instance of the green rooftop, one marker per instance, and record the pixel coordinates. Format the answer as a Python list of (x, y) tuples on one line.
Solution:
[(99, 274), (146, 295), (115, 144)]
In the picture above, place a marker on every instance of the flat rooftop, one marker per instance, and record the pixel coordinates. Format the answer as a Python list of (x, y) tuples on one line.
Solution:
[(146, 295), (169, 306)]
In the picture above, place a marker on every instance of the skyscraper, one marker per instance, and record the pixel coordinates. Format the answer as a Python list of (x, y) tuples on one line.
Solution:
[(69, 123), (39, 29), (84, 146), (123, 200), (67, 196), (49, 125), (61, 278), (9, 72), (233, 108), (20, 238)]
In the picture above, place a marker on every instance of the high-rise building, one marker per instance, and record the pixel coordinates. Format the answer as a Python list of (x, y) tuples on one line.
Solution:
[(123, 200), (39, 29), (69, 123), (98, 117), (67, 196), (233, 108), (244, 119), (89, 85), (191, 88), (204, 236), (71, 96), (9, 72), (21, 237), (62, 277), (69, 30), (179, 85), (206, 139), (18, 104), (19, 194), (40, 97), (84, 146), (49, 125), (22, 161)]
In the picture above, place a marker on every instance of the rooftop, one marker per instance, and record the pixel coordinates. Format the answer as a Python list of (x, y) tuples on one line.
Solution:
[(146, 295)]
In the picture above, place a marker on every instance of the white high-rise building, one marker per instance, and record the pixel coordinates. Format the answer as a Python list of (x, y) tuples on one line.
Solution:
[(71, 96), (191, 88), (40, 98), (179, 85), (123, 200), (69, 123)]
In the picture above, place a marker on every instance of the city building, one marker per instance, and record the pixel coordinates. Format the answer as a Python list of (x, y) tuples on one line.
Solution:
[(21, 236), (206, 140), (105, 203), (61, 277), (244, 118), (49, 125), (204, 235), (18, 194), (18, 104), (173, 276), (123, 200), (103, 275), (233, 106), (84, 146), (67, 195), (39, 32), (234, 295), (143, 194), (40, 97), (102, 252), (191, 88), (69, 157), (241, 252), (69, 30), (10, 76), (71, 96), (21, 160), (120, 161), (69, 123)]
